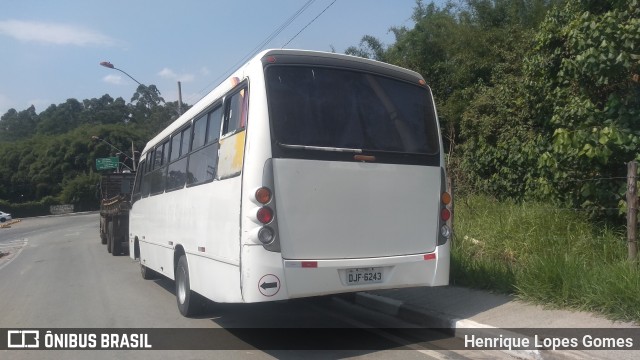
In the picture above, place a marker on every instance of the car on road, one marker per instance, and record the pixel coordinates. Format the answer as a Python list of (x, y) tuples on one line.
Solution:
[(4, 216)]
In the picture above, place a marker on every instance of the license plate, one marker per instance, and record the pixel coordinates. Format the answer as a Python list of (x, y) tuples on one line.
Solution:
[(364, 276)]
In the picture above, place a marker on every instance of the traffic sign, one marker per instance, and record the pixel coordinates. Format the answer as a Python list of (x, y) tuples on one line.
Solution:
[(107, 163)]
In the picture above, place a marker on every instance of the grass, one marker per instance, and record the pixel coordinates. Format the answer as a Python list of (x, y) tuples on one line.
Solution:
[(544, 255)]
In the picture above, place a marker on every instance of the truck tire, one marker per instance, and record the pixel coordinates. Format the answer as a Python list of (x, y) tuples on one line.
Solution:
[(109, 236), (189, 303), (116, 248), (103, 229), (124, 235)]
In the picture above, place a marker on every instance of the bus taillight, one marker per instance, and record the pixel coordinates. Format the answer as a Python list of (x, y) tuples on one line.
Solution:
[(265, 215), (263, 195), (446, 198), (446, 202), (445, 214)]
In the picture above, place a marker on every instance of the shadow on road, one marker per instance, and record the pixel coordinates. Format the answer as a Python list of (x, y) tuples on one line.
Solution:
[(284, 328)]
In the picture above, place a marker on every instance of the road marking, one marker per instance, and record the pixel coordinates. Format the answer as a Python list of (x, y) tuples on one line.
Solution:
[(16, 241), (12, 244), (16, 244)]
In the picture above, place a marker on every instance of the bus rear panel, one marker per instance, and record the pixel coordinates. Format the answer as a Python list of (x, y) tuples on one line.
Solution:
[(356, 181)]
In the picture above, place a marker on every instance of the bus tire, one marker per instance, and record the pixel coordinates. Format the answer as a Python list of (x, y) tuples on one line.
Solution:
[(189, 303)]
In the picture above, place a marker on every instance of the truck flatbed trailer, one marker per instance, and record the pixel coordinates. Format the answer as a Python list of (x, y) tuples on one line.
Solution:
[(115, 204)]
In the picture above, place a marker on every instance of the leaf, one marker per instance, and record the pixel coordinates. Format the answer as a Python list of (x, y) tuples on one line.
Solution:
[(604, 139)]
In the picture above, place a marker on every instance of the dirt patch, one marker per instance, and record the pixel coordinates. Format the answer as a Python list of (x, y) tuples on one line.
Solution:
[(9, 223)]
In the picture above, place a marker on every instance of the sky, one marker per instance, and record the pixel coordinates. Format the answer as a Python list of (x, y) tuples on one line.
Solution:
[(51, 50)]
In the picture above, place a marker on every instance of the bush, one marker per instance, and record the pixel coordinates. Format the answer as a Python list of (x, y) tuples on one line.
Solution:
[(29, 209)]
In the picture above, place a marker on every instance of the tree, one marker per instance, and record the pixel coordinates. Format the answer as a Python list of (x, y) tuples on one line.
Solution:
[(370, 48), (105, 110), (52, 155), (18, 125), (582, 77), (82, 192), (148, 97), (58, 119)]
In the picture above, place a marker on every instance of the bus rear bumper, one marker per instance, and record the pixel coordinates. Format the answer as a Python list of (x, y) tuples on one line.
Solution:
[(323, 277)]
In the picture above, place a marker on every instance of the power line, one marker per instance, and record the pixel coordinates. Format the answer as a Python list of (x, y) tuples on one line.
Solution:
[(310, 22), (259, 47)]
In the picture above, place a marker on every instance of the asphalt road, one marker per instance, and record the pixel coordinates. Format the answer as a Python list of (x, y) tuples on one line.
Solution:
[(58, 275)]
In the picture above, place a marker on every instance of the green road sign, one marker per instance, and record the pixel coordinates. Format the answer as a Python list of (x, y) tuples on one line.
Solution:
[(107, 163)]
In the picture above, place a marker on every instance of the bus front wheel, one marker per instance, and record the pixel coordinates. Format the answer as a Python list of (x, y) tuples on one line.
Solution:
[(189, 303)]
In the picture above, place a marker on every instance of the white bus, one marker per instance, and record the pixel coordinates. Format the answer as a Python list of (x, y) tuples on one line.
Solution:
[(303, 174)]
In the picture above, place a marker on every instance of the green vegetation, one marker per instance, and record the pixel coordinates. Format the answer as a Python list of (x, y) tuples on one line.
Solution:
[(49, 158), (545, 255)]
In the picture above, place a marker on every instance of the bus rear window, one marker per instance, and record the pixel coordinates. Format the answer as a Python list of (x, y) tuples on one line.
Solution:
[(344, 109)]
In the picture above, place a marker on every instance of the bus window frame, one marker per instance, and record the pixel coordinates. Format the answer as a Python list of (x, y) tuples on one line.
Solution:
[(207, 143), (161, 168), (147, 163), (137, 185), (224, 131), (180, 131)]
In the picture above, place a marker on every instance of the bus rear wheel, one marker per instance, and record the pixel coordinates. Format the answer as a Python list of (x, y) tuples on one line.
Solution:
[(189, 303)]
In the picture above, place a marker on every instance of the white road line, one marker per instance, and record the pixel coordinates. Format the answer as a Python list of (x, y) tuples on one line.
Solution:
[(25, 241)]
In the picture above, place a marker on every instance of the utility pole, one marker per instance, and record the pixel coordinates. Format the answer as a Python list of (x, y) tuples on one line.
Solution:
[(133, 156), (179, 98)]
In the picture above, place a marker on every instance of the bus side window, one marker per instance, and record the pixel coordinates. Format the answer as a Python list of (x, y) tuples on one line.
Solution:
[(177, 170), (203, 160), (146, 177), (215, 120), (175, 147), (159, 155), (231, 154), (137, 185), (158, 175), (199, 132), (236, 112), (186, 141)]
